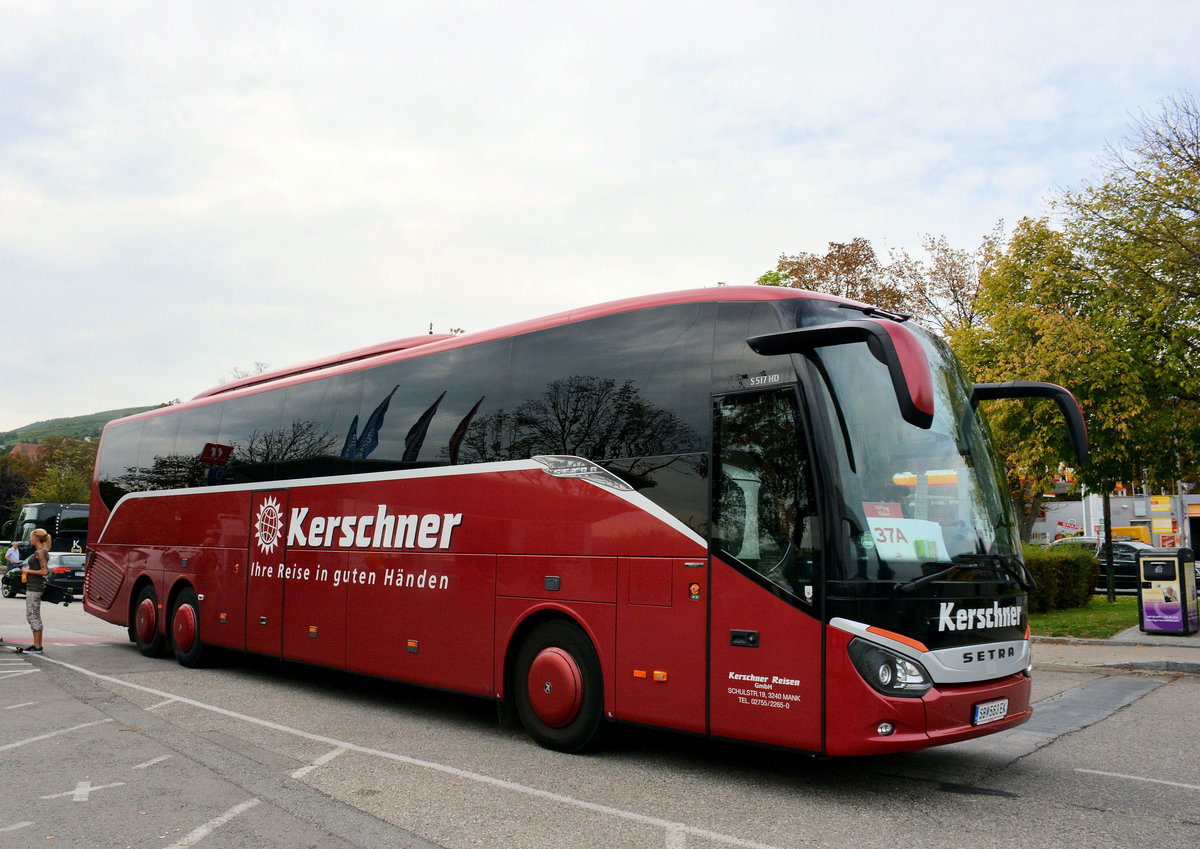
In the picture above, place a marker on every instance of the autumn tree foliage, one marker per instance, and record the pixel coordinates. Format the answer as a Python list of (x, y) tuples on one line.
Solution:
[(938, 287), (942, 287), (847, 269)]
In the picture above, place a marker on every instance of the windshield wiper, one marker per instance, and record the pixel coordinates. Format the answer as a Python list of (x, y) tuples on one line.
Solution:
[(986, 562), (909, 586)]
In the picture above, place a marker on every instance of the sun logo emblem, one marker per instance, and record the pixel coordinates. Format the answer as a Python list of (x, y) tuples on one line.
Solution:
[(268, 525)]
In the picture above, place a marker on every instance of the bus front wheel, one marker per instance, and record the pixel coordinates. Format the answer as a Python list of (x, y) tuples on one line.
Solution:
[(185, 629), (559, 687), (146, 634)]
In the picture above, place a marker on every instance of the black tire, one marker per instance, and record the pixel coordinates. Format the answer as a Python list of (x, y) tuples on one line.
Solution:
[(7, 589), (558, 687), (185, 629), (144, 628)]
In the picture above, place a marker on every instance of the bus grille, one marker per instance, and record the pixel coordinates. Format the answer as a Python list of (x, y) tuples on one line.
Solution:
[(102, 583)]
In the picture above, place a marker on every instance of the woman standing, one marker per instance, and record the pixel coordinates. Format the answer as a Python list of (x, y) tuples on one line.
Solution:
[(35, 569)]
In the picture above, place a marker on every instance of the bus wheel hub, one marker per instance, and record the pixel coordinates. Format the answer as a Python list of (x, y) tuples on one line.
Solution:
[(555, 687), (144, 623), (184, 627)]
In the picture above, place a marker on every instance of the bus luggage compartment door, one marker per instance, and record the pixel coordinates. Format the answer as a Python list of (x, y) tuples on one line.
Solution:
[(266, 557), (661, 613)]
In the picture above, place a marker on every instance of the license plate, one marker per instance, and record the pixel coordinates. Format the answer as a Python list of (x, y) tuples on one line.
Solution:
[(986, 712), (80, 573)]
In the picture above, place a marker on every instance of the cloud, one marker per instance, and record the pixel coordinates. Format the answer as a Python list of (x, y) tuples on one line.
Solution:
[(186, 188)]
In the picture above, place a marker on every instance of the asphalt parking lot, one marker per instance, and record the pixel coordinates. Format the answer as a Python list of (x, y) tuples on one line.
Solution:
[(103, 747)]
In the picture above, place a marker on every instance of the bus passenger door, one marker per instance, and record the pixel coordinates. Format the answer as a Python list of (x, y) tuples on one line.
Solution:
[(765, 638), (265, 560)]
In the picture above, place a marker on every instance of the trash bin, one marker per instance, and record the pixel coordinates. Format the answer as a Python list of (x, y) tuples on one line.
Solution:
[(1167, 591)]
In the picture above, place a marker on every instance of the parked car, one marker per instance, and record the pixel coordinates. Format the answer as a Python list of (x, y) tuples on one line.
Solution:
[(1089, 544), (1125, 554), (1125, 568), (66, 576)]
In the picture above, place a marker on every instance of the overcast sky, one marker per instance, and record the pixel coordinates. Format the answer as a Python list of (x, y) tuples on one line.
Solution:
[(186, 188)]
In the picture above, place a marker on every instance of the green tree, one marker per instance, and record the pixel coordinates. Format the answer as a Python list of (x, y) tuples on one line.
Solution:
[(1033, 327), (61, 484), (1138, 232), (78, 455), (1108, 306), (13, 488)]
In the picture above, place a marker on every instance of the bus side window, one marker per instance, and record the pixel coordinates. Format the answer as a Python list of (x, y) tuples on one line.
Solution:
[(118, 465), (764, 504)]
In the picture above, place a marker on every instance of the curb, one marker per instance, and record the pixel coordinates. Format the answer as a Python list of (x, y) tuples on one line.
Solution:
[(1159, 667)]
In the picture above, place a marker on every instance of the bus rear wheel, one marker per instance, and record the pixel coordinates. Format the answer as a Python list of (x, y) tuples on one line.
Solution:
[(185, 629), (559, 687), (146, 634)]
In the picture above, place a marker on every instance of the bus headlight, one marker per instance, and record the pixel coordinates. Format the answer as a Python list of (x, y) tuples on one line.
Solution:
[(890, 673)]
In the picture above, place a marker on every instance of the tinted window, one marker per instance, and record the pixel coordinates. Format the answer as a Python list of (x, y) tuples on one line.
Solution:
[(764, 508), (310, 436), (735, 365), (628, 385), (416, 412), (345, 399), (158, 439), (68, 522), (157, 466), (198, 427), (632, 386), (250, 428), (117, 464), (678, 484)]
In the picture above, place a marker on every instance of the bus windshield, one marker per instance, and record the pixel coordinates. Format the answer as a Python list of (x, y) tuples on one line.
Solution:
[(913, 503)]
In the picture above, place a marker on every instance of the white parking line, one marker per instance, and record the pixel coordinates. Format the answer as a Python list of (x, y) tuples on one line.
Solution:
[(1140, 778), (321, 761), (83, 789), (21, 705), (675, 831), (20, 743), (157, 760), (212, 825), (16, 826)]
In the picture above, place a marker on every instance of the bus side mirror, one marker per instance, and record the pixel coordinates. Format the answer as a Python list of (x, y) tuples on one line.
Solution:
[(891, 342), (1076, 429)]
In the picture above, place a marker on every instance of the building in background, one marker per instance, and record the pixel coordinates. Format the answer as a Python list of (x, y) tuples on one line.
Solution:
[(1170, 521)]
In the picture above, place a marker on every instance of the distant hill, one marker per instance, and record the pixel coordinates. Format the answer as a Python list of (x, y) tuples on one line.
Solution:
[(75, 427)]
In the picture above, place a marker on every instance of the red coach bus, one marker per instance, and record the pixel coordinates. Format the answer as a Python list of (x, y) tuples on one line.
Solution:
[(750, 513)]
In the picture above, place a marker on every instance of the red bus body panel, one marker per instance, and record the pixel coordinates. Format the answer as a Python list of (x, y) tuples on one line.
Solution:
[(943, 715), (769, 692), (442, 616)]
